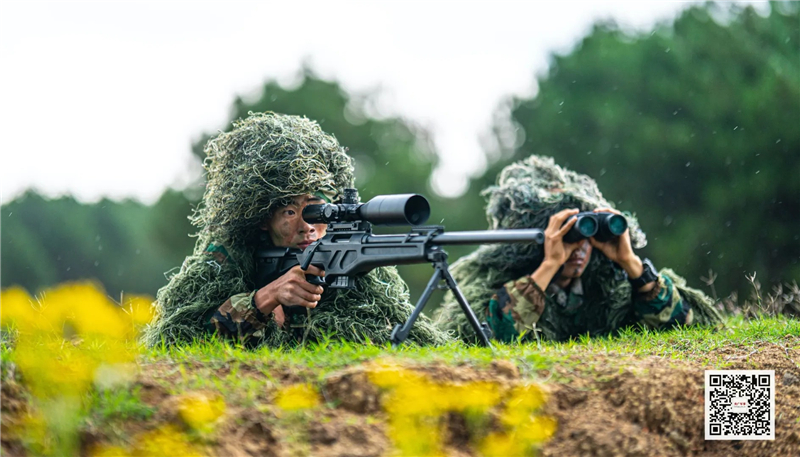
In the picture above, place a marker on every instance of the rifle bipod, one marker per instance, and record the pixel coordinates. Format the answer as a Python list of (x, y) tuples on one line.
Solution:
[(441, 271)]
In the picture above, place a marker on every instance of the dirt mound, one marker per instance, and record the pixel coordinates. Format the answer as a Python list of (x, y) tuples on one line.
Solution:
[(604, 405)]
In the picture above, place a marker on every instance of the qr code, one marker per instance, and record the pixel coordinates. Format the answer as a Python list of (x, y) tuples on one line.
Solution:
[(740, 405)]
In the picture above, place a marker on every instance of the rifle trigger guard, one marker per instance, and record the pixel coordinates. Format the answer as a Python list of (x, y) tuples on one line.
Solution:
[(310, 255)]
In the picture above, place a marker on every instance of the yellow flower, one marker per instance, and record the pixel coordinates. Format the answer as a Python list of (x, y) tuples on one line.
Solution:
[(140, 309), (52, 367), (166, 441), (85, 306), (528, 396), (502, 445), (18, 308), (297, 397), (538, 430), (387, 375), (199, 410), (476, 396), (415, 435)]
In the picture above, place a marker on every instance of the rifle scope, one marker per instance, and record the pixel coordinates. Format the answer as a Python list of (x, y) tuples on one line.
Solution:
[(396, 209), (602, 226)]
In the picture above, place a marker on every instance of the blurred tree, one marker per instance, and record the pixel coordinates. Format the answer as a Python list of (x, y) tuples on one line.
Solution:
[(125, 245), (692, 126), (392, 155)]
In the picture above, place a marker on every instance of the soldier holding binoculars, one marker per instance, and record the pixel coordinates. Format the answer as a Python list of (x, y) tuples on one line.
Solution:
[(585, 279), (558, 278)]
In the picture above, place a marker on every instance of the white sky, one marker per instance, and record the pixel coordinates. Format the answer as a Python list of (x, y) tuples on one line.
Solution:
[(105, 98)]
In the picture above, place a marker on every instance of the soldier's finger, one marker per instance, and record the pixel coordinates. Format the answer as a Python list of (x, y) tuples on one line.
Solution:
[(607, 210), (556, 219), (316, 271), (561, 216), (565, 228), (305, 295), (310, 288)]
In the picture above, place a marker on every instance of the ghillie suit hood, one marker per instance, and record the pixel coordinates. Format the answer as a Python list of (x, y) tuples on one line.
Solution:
[(257, 167), (527, 193)]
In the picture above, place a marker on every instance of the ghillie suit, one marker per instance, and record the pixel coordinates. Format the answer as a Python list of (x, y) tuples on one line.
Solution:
[(256, 168), (527, 194)]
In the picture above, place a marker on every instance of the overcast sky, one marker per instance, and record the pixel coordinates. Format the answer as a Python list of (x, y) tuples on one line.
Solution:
[(105, 98)]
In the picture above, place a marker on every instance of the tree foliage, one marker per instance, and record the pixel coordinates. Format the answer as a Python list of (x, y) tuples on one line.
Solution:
[(692, 126), (125, 245)]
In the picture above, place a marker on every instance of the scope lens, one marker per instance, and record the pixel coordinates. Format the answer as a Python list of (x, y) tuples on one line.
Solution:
[(417, 210), (617, 224), (587, 226)]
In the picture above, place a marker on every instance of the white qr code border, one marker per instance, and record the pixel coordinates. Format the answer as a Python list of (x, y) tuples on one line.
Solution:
[(713, 382)]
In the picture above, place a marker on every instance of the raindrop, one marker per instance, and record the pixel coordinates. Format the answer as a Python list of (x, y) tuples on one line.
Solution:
[(779, 140), (758, 154), (728, 224), (736, 127), (709, 252), (97, 238), (387, 163), (96, 263), (675, 112), (562, 103), (758, 171), (9, 214), (99, 248), (688, 164), (602, 171), (588, 153), (666, 50), (721, 256), (69, 268), (138, 251), (668, 221)]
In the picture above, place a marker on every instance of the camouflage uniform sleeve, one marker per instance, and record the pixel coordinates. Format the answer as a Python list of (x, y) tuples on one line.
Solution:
[(515, 308), (239, 319), (662, 307)]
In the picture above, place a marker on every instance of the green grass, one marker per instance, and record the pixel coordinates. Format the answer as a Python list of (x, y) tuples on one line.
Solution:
[(688, 343)]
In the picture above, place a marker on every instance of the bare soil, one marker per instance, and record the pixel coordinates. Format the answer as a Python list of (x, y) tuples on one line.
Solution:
[(605, 405)]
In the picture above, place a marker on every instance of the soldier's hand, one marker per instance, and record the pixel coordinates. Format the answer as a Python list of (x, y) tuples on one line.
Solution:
[(617, 249), (556, 251), (291, 289)]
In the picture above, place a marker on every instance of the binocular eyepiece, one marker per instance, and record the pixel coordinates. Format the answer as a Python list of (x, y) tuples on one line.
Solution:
[(396, 209), (602, 226)]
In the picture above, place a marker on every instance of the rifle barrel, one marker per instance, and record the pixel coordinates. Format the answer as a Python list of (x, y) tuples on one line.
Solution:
[(466, 237), (490, 237)]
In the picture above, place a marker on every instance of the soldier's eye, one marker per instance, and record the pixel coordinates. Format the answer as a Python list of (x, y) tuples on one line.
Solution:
[(289, 212)]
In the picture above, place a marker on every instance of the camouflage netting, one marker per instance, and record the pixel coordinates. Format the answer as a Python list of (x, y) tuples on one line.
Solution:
[(526, 195), (260, 165)]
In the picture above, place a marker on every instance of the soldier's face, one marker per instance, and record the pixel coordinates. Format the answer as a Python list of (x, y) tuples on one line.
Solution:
[(577, 262), (287, 228)]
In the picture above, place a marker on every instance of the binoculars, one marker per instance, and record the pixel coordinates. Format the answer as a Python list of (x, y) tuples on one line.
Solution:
[(602, 226)]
